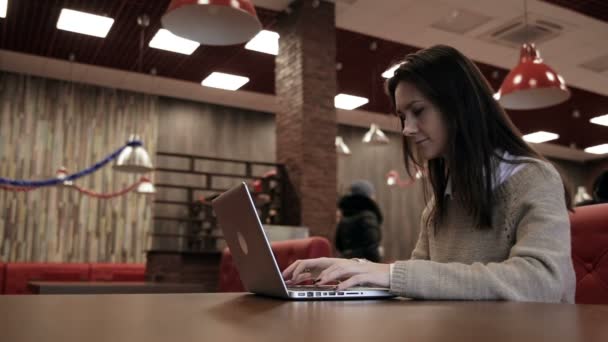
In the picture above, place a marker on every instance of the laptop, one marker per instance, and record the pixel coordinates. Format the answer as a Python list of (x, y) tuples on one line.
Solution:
[(251, 252)]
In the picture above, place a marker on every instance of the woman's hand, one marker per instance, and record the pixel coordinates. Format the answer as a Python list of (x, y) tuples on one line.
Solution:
[(349, 272), (302, 270)]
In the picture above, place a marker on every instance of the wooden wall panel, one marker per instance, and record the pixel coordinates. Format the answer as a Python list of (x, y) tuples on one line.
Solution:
[(218, 131), (206, 130), (212, 131), (46, 124)]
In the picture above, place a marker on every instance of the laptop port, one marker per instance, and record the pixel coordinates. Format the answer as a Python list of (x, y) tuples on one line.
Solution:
[(352, 293), (340, 293), (332, 293), (301, 294), (318, 294), (309, 294)]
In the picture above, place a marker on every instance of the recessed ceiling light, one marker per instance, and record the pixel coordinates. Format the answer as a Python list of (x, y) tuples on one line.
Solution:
[(224, 81), (349, 102), (600, 120), (85, 23), (265, 41), (540, 136), (165, 40), (598, 149), (3, 8), (390, 72)]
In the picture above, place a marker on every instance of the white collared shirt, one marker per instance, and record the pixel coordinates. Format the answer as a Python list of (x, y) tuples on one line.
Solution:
[(505, 171)]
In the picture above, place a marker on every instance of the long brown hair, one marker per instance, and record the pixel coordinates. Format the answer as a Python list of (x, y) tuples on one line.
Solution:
[(477, 127)]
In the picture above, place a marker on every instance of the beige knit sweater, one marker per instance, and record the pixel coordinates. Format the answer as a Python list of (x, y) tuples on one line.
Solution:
[(525, 256)]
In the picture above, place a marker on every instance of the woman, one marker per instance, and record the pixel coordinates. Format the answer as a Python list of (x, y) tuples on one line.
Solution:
[(496, 226)]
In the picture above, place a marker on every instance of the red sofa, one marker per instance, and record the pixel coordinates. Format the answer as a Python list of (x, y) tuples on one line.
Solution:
[(285, 252), (2, 270), (118, 272), (589, 226), (14, 277), (19, 274)]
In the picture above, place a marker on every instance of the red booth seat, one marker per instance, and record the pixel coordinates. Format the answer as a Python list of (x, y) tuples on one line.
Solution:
[(118, 272), (2, 270), (17, 275), (589, 226), (285, 252)]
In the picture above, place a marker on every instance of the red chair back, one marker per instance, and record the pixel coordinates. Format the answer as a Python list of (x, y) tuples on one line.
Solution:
[(589, 226), (2, 270), (285, 252)]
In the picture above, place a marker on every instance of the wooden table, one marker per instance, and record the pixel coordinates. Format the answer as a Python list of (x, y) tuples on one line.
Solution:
[(122, 287), (239, 317)]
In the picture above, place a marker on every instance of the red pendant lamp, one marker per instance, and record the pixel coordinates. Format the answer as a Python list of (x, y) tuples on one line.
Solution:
[(212, 22), (532, 84)]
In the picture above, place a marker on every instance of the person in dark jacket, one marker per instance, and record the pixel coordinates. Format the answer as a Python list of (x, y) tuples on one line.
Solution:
[(358, 233)]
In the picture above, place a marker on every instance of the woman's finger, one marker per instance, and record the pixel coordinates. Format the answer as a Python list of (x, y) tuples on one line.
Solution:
[(289, 270), (327, 271), (307, 266), (304, 266), (338, 272), (301, 278), (337, 263), (351, 282)]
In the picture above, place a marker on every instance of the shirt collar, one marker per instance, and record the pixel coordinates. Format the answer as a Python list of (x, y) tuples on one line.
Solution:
[(448, 188), (504, 170)]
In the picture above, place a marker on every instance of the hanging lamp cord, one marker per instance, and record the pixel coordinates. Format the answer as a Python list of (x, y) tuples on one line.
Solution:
[(526, 21), (143, 21)]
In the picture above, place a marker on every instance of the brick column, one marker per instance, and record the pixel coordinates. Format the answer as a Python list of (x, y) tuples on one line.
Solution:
[(306, 121)]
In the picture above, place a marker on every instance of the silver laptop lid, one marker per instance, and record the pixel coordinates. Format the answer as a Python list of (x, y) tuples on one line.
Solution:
[(243, 232)]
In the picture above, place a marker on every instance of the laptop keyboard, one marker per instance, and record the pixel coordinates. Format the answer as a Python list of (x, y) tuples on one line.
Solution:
[(312, 287)]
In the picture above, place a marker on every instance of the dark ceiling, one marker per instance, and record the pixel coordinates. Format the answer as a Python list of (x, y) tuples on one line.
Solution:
[(30, 28)]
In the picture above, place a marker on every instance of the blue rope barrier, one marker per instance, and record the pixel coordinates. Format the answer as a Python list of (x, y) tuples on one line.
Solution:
[(73, 176)]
